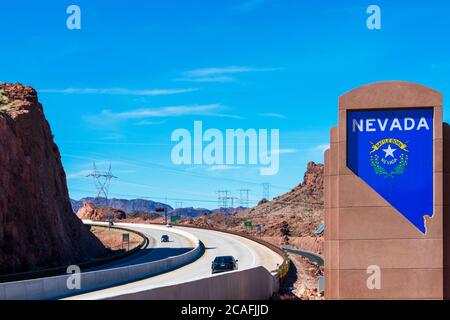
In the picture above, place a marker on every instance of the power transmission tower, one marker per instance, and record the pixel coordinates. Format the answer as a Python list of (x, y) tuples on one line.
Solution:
[(232, 201), (178, 205), (243, 197), (222, 198), (266, 191), (102, 180)]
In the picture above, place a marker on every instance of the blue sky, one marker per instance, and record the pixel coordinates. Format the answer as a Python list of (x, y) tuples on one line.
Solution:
[(233, 64)]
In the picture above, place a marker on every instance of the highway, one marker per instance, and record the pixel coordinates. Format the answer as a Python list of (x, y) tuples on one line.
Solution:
[(249, 254), (156, 250)]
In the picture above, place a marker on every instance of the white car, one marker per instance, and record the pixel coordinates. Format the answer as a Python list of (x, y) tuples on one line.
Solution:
[(168, 225)]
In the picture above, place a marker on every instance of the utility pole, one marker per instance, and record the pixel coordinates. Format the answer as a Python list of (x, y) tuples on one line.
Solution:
[(222, 198), (165, 209), (102, 180), (178, 205), (243, 197), (266, 191)]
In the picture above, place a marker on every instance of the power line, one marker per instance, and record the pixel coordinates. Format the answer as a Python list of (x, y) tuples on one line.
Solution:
[(176, 170), (178, 204), (183, 200), (266, 190), (222, 198), (102, 180), (243, 197)]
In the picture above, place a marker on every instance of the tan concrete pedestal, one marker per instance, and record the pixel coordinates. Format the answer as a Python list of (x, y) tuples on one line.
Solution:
[(362, 229)]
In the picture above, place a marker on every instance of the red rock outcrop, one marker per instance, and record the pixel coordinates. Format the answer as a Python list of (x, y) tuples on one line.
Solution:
[(91, 212), (37, 226)]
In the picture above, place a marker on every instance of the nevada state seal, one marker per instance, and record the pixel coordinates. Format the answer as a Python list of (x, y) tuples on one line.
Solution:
[(389, 157)]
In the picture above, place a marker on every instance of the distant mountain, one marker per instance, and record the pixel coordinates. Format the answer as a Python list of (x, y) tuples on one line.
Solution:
[(197, 212), (228, 211), (147, 206), (128, 206), (190, 212)]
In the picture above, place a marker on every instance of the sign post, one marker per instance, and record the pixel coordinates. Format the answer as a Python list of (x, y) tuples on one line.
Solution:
[(384, 195), (162, 209), (126, 239)]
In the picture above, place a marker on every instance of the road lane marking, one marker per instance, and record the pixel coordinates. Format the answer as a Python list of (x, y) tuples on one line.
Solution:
[(134, 283)]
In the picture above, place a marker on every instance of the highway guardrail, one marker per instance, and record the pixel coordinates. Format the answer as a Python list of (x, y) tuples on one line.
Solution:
[(282, 270), (50, 272), (56, 286)]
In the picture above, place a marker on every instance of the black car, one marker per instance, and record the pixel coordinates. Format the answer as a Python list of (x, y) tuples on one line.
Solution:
[(226, 263), (165, 238)]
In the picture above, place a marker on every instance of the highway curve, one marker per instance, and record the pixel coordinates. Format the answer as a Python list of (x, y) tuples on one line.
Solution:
[(249, 253), (156, 250)]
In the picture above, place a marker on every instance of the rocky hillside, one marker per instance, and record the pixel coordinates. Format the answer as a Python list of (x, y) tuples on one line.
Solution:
[(37, 226), (301, 208), (296, 214), (128, 206), (306, 197)]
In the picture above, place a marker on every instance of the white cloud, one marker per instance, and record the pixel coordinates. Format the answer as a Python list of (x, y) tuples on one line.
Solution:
[(284, 151), (79, 174), (108, 117), (118, 91), (222, 168), (321, 147), (272, 115), (223, 74), (148, 123), (207, 79), (249, 5)]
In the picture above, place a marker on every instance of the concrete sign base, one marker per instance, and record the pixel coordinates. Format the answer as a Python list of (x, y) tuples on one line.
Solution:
[(374, 250)]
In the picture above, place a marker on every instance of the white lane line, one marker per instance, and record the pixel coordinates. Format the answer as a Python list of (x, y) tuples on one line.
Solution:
[(119, 290)]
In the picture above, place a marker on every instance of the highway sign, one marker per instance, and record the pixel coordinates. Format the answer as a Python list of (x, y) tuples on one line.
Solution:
[(126, 239), (248, 224), (392, 151), (320, 284), (175, 218), (160, 209)]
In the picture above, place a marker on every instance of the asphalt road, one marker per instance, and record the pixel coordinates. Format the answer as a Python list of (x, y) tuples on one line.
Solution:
[(249, 254), (156, 250)]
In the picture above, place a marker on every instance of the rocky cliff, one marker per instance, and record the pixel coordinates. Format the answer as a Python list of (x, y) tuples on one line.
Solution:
[(37, 227)]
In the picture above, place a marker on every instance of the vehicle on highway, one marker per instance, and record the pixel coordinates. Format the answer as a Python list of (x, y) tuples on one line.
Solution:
[(164, 238), (168, 225), (224, 263)]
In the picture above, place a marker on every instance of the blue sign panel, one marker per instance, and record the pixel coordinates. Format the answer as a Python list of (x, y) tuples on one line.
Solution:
[(392, 151)]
